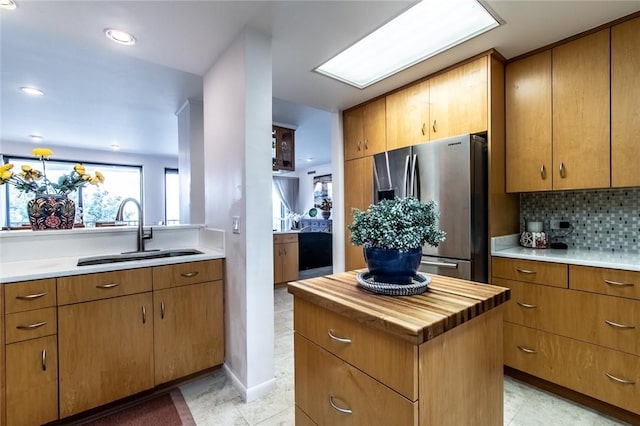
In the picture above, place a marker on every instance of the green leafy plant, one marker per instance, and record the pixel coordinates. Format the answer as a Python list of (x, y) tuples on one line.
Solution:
[(401, 223)]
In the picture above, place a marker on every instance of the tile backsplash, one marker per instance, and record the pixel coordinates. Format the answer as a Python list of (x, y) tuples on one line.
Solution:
[(600, 219)]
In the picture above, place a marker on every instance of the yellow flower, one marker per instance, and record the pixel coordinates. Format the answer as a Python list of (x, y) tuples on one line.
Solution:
[(100, 176), (5, 175), (42, 153), (79, 168), (29, 173), (94, 181), (6, 167), (86, 177)]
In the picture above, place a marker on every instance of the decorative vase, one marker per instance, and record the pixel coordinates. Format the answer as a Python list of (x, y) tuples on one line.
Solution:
[(326, 214), (391, 265), (51, 211)]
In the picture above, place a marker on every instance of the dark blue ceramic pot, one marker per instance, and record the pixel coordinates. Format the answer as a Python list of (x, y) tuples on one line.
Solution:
[(392, 265), (50, 211)]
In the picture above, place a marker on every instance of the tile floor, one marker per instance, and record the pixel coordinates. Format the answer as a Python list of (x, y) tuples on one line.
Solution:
[(214, 401)]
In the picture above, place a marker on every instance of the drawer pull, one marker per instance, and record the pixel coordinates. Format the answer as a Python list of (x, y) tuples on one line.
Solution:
[(162, 310), (44, 360), (526, 271), (107, 286), (619, 380), (31, 296), (338, 409), (617, 325), (31, 326), (618, 283), (144, 315), (339, 339), (526, 305), (527, 350), (189, 274)]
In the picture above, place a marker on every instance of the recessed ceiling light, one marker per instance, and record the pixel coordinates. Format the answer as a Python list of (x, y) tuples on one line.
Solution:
[(309, 159), (36, 138), (426, 29), (8, 4), (31, 91), (119, 36)]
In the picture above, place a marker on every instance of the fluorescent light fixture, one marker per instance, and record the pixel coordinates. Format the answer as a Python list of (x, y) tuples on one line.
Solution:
[(36, 138), (8, 4), (421, 32), (118, 36), (31, 91)]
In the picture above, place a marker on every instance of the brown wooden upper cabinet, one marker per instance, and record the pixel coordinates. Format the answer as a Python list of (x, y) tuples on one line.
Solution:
[(458, 100), (625, 104), (283, 148), (408, 116), (364, 130)]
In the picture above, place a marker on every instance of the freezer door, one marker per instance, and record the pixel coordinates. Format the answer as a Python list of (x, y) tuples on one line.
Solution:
[(448, 267), (391, 174)]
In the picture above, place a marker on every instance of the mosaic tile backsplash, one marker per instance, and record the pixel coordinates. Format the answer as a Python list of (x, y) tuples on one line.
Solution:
[(600, 219)]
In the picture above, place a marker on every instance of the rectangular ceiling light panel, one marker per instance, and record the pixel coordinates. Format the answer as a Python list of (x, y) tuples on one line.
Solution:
[(425, 30)]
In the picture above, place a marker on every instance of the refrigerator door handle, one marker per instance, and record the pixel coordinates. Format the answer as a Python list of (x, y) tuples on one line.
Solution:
[(414, 166), (406, 190), (439, 264)]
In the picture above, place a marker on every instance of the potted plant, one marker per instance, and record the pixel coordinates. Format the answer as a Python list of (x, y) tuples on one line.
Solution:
[(50, 208), (393, 233), (325, 206)]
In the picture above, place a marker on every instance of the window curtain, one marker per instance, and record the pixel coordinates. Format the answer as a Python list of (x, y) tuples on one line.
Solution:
[(287, 190)]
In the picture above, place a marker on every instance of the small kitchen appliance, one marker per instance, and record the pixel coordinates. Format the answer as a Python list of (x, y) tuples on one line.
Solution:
[(534, 235)]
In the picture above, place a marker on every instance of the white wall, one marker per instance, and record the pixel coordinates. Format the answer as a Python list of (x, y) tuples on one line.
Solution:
[(191, 161), (152, 170), (237, 157)]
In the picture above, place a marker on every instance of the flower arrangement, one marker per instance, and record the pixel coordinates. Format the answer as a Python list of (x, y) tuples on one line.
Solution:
[(325, 205), (401, 224), (30, 180), (293, 216)]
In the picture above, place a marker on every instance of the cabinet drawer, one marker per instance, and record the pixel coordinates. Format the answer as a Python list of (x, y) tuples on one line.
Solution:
[(392, 361), (325, 384), (554, 274), (28, 295), (602, 373), (613, 282), (285, 238), (83, 288), (186, 273), (31, 324)]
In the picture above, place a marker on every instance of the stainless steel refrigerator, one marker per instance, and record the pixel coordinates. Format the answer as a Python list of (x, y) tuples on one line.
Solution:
[(453, 173)]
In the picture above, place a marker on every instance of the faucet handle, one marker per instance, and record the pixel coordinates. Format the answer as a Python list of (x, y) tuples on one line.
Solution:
[(149, 235)]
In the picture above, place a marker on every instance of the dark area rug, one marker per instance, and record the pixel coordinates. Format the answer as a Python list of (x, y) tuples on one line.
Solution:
[(169, 409)]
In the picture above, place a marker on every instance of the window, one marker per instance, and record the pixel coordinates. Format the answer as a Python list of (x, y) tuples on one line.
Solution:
[(279, 211), (93, 203), (171, 197)]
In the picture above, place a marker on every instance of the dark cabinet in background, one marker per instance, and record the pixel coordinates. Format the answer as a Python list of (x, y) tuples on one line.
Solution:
[(283, 148)]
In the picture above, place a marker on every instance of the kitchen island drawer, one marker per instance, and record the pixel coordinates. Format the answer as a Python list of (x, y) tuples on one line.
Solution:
[(180, 274), (547, 273), (103, 285), (31, 324), (613, 282), (28, 295), (385, 358), (333, 392)]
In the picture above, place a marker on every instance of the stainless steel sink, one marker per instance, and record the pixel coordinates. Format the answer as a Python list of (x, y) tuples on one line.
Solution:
[(138, 255)]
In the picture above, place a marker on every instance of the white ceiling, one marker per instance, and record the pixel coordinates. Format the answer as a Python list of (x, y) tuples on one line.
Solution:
[(99, 93)]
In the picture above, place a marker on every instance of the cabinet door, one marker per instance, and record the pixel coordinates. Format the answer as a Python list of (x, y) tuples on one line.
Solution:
[(277, 263), (289, 261), (188, 330), (358, 193), (625, 104), (581, 148), (374, 127), (105, 351), (284, 148), (528, 124), (32, 382), (353, 133), (408, 116), (458, 100)]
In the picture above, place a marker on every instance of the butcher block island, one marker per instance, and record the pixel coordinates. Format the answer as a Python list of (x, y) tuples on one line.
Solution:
[(428, 359)]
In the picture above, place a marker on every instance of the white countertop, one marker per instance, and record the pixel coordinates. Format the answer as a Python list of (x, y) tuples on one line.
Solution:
[(507, 246)]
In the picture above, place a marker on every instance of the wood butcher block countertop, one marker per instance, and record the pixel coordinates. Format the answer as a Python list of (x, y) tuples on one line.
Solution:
[(447, 303)]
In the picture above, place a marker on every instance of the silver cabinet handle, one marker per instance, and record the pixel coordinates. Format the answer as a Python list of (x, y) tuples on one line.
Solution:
[(618, 325), (336, 338), (44, 360), (526, 271), (526, 305), (31, 326), (338, 409), (527, 350), (31, 296), (189, 274), (618, 283), (619, 380), (434, 126), (563, 172), (543, 172), (144, 315), (439, 264), (112, 285), (359, 145), (285, 252), (423, 126), (162, 310)]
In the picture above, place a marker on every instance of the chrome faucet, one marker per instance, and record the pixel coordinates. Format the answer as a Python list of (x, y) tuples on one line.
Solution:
[(141, 235)]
